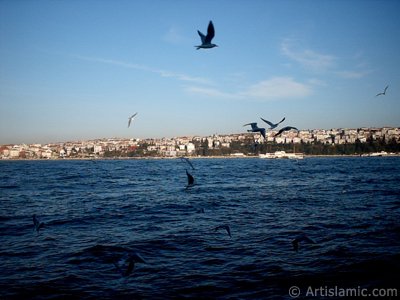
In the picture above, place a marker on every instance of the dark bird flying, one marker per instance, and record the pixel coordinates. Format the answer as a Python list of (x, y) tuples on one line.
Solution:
[(126, 265), (255, 128), (190, 179), (38, 225), (383, 93), (206, 39), (226, 227), (302, 238), (131, 118), (287, 128), (272, 125)]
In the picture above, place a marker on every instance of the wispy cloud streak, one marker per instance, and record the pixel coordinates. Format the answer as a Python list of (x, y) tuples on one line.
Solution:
[(139, 67), (348, 74), (308, 58), (321, 63), (276, 88), (212, 92)]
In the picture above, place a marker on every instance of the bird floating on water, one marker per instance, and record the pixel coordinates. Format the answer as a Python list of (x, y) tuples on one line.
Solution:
[(190, 179), (131, 118), (287, 128), (126, 264), (255, 128), (272, 125), (206, 39), (301, 238), (226, 227), (37, 223), (383, 93)]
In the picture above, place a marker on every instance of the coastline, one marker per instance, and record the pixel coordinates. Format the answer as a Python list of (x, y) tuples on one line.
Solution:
[(195, 157)]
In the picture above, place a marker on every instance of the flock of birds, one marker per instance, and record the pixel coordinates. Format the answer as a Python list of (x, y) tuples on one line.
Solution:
[(262, 131), (125, 265)]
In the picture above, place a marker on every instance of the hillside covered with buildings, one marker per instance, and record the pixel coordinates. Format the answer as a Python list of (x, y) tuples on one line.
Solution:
[(310, 142)]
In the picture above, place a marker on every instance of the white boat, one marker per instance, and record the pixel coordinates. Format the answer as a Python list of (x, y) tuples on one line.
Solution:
[(382, 153), (282, 154)]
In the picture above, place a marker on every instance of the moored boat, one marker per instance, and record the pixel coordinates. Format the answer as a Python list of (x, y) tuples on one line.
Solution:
[(282, 154)]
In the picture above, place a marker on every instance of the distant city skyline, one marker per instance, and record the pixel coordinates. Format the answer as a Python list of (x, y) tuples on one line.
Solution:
[(384, 138), (78, 70)]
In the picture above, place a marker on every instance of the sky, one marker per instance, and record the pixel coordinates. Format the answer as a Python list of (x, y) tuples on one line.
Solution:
[(76, 70)]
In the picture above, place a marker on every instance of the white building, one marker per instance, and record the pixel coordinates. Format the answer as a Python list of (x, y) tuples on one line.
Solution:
[(190, 147)]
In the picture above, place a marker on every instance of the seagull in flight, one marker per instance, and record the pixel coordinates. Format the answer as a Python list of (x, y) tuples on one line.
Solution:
[(126, 265), (206, 39), (301, 238), (383, 93), (226, 227), (272, 125), (255, 128), (131, 118), (37, 224), (287, 128)]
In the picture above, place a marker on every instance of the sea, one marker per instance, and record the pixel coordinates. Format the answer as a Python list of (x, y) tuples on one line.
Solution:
[(344, 211)]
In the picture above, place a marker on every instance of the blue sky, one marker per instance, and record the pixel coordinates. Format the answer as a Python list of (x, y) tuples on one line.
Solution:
[(72, 70)]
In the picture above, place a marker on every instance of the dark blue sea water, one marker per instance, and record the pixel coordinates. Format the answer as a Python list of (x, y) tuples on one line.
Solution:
[(97, 212)]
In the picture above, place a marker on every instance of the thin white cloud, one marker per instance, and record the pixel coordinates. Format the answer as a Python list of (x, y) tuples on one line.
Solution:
[(271, 89), (348, 74), (318, 62), (160, 72), (308, 58), (212, 92), (276, 88)]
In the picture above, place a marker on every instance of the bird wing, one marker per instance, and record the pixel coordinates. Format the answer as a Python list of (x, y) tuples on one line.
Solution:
[(295, 244), (253, 125), (282, 120), (228, 229), (190, 178), (131, 118), (130, 268), (385, 89), (138, 258), (210, 33), (306, 239), (280, 131), (268, 122), (262, 131), (383, 93), (38, 225), (187, 160), (202, 36)]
